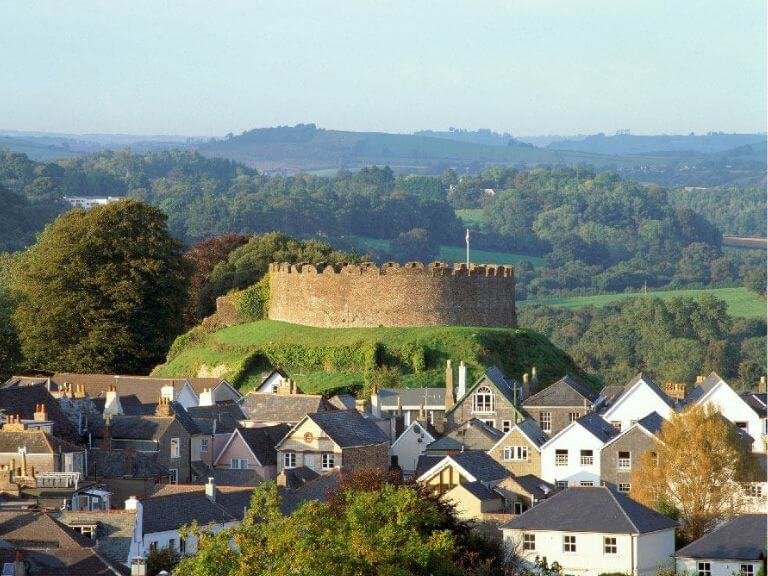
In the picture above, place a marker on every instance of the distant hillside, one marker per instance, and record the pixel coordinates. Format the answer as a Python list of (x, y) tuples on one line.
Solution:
[(325, 359), (626, 144)]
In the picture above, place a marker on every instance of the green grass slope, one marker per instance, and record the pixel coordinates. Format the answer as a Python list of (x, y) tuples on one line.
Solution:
[(328, 359), (741, 302)]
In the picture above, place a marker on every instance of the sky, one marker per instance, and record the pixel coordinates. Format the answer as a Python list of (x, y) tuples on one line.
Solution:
[(529, 67)]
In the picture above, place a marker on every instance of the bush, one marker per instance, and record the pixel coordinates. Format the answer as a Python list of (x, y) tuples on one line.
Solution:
[(253, 303)]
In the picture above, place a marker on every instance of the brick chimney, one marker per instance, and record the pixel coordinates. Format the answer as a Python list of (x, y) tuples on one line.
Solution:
[(761, 386), (164, 407), (41, 415), (112, 405), (14, 424), (675, 390), (210, 489), (449, 398), (699, 379), (79, 391)]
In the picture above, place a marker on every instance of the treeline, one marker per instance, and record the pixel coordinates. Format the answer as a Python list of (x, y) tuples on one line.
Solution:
[(735, 211), (674, 340)]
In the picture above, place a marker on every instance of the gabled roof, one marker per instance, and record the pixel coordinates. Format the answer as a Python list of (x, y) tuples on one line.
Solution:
[(261, 441), (474, 466), (509, 388), (591, 509), (702, 388), (566, 392), (278, 408), (411, 397), (480, 491), (648, 381), (472, 435), (120, 463), (173, 506), (349, 428), (114, 530), (426, 428), (742, 538), (425, 463), (595, 425), (758, 401), (530, 429), (651, 425), (343, 402), (534, 485), (609, 394), (316, 489), (21, 401), (35, 442), (26, 529)]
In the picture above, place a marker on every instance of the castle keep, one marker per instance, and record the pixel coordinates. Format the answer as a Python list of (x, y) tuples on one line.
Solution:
[(366, 295)]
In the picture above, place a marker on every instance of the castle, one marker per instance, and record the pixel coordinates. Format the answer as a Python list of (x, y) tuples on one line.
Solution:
[(413, 294)]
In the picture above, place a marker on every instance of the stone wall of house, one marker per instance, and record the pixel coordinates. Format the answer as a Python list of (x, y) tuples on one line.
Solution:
[(361, 457), (634, 441), (413, 294), (532, 465), (559, 416)]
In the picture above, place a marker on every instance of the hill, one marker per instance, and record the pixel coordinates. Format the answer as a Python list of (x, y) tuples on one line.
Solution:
[(626, 144), (327, 359)]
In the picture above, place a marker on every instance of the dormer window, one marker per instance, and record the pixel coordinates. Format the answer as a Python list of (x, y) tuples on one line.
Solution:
[(482, 402)]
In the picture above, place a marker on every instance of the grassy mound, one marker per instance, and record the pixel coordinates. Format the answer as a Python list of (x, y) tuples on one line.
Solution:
[(331, 359)]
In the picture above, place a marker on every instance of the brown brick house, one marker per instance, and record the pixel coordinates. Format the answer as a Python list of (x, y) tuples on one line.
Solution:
[(559, 404)]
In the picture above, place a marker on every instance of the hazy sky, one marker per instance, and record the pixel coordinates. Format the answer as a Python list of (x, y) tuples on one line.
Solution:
[(524, 66)]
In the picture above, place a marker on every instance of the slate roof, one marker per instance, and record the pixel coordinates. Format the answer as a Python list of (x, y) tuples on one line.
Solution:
[(36, 442), (316, 489), (652, 423), (130, 404), (349, 428), (114, 531), (531, 430), (757, 401), (591, 509), (279, 408), (742, 538), (479, 491), (31, 529), (597, 426), (343, 402), (146, 427), (472, 435), (70, 562), (535, 486), (21, 400), (702, 389), (176, 505), (609, 394), (226, 415), (480, 465), (426, 462), (566, 392), (411, 397), (297, 477), (118, 464), (506, 386), (262, 441), (651, 384)]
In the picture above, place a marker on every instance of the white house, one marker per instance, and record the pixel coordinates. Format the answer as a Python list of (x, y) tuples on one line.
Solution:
[(736, 547), (640, 397), (411, 444), (572, 456), (592, 531), (714, 391)]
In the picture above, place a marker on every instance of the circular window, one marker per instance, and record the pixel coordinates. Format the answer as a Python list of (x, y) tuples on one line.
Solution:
[(417, 429), (308, 437)]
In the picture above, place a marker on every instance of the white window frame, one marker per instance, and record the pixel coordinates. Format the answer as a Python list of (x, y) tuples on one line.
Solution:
[(569, 544), (289, 460), (561, 457), (624, 487), (489, 422), (238, 464), (203, 445), (624, 463), (529, 541), (610, 545), (483, 401), (175, 448), (587, 459), (517, 508), (545, 421), (573, 416), (560, 484), (746, 570), (328, 461), (506, 426), (174, 475), (516, 453), (704, 568)]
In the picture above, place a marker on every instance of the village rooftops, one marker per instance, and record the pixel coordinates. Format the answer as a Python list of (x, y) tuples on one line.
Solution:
[(412, 398), (289, 408), (35, 442), (25, 401), (349, 428), (125, 464), (597, 426), (591, 509), (316, 489), (472, 435), (474, 466), (742, 538), (655, 388), (566, 392), (114, 530)]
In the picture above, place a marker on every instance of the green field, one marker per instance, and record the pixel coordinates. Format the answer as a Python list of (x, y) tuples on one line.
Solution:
[(457, 253), (741, 302), (472, 217), (328, 359)]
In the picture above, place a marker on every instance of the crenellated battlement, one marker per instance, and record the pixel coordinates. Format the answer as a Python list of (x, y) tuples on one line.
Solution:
[(393, 294), (388, 268)]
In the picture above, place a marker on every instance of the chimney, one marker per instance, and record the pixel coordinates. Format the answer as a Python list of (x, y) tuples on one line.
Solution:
[(462, 390), (106, 441), (699, 379), (14, 424), (675, 390), (206, 397), (449, 399), (112, 405), (375, 410), (133, 504), (40, 413), (164, 407), (761, 386), (210, 489), (138, 566), (79, 391), (361, 405), (422, 413), (534, 379), (281, 480)]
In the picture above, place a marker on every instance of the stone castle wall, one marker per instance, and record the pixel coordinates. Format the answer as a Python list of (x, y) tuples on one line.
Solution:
[(413, 294)]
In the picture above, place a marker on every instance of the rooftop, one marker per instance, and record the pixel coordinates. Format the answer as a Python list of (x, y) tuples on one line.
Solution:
[(348, 428), (743, 538), (566, 392)]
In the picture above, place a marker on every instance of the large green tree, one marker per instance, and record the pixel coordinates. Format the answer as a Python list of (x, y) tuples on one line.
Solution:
[(100, 291)]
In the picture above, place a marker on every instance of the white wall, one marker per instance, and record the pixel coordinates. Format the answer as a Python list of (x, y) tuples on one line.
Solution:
[(646, 551), (718, 567), (163, 539), (407, 448), (733, 407), (640, 402), (573, 439), (187, 396)]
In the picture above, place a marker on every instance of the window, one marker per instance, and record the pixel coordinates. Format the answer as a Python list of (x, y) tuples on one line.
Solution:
[(328, 461), (175, 448), (741, 425), (153, 545), (560, 484), (586, 483), (89, 531), (753, 490), (545, 421), (506, 426), (289, 460), (204, 445), (182, 545), (238, 464), (529, 541), (616, 424), (625, 460), (705, 569), (491, 423), (569, 543), (561, 457), (174, 473), (171, 544), (516, 453), (573, 416), (609, 545), (747, 570), (483, 401), (624, 488), (655, 458), (517, 508), (587, 458)]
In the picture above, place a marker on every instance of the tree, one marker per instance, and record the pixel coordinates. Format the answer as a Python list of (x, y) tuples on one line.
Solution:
[(415, 245), (755, 279), (100, 291), (695, 470), (161, 559)]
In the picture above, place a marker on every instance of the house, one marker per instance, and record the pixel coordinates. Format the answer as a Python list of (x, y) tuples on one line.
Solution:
[(213, 507), (408, 402), (313, 488), (522, 492), (253, 449), (493, 399), (519, 450), (216, 423), (559, 404), (592, 531), (36, 450), (640, 397), (463, 468), (736, 547), (273, 381), (30, 402), (572, 457), (334, 439), (714, 391), (36, 543), (116, 533), (759, 403), (621, 455), (411, 444), (127, 472), (280, 408), (474, 500), (471, 435)]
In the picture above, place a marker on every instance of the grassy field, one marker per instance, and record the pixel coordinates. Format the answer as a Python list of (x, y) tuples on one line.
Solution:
[(326, 359), (741, 302), (471, 216)]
